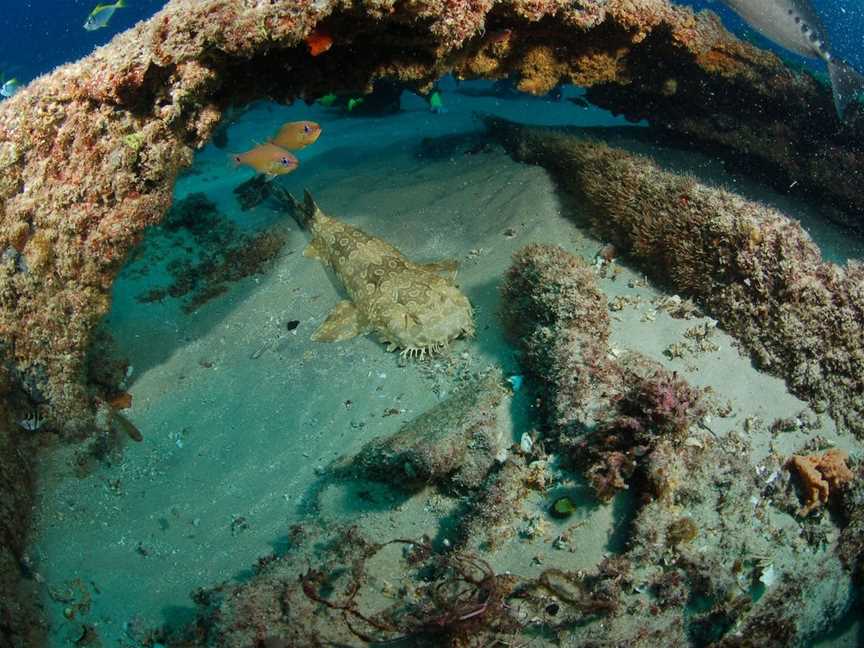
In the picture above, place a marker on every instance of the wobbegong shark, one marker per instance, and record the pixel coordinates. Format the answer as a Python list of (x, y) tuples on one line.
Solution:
[(795, 25), (411, 306)]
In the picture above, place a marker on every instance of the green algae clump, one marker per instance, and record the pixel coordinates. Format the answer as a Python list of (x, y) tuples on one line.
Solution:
[(134, 141), (562, 507)]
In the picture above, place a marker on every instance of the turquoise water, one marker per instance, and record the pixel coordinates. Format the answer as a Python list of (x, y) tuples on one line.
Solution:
[(243, 418)]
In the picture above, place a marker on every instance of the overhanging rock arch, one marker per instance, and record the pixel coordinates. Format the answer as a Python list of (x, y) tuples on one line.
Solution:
[(89, 153)]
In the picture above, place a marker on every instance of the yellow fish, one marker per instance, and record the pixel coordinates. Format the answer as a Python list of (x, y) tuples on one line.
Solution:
[(297, 135), (410, 306), (269, 159)]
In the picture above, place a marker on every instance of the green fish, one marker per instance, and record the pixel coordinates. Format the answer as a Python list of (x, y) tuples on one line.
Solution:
[(327, 100), (101, 14), (9, 88), (436, 103)]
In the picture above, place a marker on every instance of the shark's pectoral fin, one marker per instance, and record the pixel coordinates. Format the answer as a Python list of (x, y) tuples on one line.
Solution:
[(312, 252), (447, 267), (343, 323)]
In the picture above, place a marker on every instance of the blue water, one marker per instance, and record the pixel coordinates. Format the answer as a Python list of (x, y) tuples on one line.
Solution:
[(35, 37)]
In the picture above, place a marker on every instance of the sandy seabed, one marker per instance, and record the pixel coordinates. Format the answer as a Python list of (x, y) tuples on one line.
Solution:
[(240, 417)]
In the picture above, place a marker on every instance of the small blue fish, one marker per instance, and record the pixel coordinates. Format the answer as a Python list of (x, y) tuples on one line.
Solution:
[(101, 14), (9, 88)]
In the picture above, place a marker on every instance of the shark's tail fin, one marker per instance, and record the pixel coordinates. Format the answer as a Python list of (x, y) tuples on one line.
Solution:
[(303, 212), (846, 83)]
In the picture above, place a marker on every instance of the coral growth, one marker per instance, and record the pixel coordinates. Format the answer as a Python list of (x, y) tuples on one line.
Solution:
[(553, 307), (821, 475), (652, 407), (851, 544), (752, 268), (453, 445)]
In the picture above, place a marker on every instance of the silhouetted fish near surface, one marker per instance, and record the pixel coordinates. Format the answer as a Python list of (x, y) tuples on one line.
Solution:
[(795, 25)]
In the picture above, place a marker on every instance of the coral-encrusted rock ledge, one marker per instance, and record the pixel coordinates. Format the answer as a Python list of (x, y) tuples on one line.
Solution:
[(90, 152), (755, 270)]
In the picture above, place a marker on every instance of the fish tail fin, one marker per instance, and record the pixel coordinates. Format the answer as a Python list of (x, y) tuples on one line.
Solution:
[(301, 213), (846, 83), (310, 206)]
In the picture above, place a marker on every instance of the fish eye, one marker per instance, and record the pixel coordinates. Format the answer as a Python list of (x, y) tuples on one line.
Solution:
[(286, 161), (306, 128)]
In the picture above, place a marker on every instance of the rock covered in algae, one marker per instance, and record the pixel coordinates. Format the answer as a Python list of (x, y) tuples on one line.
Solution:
[(851, 544), (751, 267), (452, 445), (646, 409), (558, 315), (89, 153)]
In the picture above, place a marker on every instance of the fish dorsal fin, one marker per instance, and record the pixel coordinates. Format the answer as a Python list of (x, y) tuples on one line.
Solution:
[(343, 323)]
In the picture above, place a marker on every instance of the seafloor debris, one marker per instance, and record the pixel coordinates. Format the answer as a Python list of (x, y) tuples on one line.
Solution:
[(453, 445), (701, 523), (752, 268), (400, 592), (488, 519), (821, 475)]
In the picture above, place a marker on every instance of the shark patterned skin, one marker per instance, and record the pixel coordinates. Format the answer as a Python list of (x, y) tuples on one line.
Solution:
[(410, 306)]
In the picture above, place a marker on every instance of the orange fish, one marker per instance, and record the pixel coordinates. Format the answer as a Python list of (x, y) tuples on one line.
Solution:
[(269, 159), (297, 135), (318, 42)]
